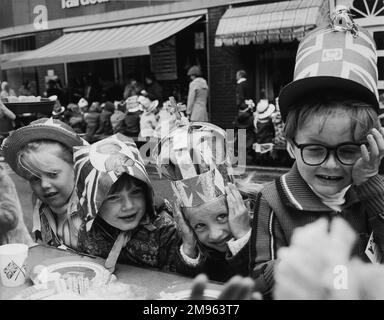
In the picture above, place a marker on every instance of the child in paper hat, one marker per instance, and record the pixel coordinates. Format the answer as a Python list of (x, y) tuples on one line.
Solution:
[(334, 135), (130, 126), (213, 220), (115, 196)]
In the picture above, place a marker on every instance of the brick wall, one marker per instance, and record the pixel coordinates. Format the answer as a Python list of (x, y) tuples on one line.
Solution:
[(42, 39), (224, 62)]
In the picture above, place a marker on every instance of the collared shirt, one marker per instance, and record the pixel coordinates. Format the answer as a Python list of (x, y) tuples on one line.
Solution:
[(47, 230)]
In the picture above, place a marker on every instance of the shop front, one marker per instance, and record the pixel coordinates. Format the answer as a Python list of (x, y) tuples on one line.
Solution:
[(115, 52), (262, 39)]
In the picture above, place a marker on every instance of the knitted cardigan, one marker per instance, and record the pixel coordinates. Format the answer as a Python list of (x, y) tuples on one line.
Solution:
[(291, 203)]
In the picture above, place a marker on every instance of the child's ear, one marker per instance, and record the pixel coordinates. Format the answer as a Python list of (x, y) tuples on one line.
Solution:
[(290, 150)]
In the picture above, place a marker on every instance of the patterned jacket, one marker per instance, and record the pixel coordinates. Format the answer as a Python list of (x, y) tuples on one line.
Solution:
[(296, 205), (153, 244)]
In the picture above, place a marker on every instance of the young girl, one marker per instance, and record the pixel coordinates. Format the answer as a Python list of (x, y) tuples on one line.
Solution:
[(213, 219), (42, 153), (116, 201), (334, 135)]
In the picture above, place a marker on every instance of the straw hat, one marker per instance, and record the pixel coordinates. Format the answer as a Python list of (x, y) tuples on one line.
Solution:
[(264, 109), (82, 103), (42, 129)]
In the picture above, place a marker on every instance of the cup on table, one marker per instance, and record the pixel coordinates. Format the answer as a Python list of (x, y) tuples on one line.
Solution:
[(13, 268)]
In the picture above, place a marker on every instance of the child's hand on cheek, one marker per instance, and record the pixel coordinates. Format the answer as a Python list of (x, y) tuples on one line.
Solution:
[(238, 216), (186, 233), (368, 165)]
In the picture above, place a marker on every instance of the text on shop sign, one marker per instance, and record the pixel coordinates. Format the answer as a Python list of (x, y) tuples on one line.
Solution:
[(65, 4)]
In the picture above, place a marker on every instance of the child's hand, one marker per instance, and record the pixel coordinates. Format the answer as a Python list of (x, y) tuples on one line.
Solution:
[(238, 216), (186, 233), (368, 165)]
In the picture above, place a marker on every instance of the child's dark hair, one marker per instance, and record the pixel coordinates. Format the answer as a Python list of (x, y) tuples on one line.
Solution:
[(362, 115)]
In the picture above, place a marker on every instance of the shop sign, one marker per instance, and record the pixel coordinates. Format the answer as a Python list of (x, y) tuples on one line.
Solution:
[(66, 4)]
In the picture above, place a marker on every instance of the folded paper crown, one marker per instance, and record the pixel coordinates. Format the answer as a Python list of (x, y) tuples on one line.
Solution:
[(193, 157)]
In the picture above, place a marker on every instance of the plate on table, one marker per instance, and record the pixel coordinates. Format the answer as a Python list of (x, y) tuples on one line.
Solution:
[(65, 278), (183, 292)]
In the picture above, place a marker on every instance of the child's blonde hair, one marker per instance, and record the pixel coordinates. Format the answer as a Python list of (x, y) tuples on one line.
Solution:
[(27, 157), (362, 115)]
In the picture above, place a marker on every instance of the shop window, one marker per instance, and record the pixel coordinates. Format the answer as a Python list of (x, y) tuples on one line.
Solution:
[(380, 67), (18, 44), (199, 40), (379, 39)]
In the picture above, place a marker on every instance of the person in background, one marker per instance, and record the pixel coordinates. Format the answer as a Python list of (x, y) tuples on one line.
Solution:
[(75, 118), (54, 89), (148, 119), (6, 91), (7, 120), (12, 226), (92, 88), (166, 121), (132, 88), (265, 131), (58, 111), (152, 90), (242, 89), (130, 126), (197, 96), (105, 127), (92, 121), (245, 120), (25, 89), (118, 114)]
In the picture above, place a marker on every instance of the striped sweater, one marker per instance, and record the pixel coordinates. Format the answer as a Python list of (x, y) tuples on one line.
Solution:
[(291, 203)]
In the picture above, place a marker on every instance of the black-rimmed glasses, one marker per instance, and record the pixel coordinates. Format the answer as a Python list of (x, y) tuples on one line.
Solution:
[(314, 154)]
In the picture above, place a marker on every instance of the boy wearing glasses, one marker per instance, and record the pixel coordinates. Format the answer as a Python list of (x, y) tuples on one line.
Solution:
[(334, 135)]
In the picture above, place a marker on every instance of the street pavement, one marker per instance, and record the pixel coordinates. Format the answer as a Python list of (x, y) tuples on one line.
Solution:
[(161, 187)]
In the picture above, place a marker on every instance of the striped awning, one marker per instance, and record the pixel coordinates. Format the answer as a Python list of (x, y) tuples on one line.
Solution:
[(272, 22), (108, 43)]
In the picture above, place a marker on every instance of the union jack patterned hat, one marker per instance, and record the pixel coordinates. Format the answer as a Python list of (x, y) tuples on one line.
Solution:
[(193, 157), (97, 168), (341, 57)]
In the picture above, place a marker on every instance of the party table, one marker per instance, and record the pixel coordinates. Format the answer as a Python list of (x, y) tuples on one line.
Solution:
[(154, 280)]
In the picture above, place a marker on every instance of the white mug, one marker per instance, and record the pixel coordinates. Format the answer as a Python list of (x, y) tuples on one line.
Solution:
[(13, 268)]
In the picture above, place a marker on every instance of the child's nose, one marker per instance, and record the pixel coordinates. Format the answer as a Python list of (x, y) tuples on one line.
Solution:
[(127, 203), (45, 183), (331, 161), (215, 234)]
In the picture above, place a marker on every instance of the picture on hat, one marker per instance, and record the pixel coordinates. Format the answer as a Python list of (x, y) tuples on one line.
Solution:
[(113, 155)]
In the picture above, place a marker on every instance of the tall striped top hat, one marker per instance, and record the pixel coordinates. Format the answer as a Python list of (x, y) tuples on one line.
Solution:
[(193, 157), (340, 57), (97, 168)]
